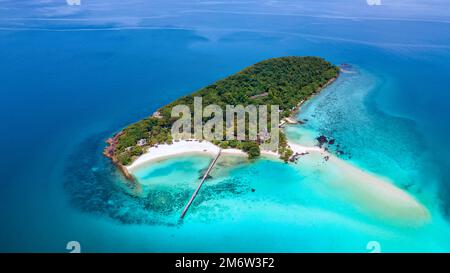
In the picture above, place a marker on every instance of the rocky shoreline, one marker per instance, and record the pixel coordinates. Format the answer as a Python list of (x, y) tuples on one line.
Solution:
[(109, 153)]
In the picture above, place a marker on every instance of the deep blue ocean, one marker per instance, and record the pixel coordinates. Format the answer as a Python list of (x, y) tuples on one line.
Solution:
[(72, 76)]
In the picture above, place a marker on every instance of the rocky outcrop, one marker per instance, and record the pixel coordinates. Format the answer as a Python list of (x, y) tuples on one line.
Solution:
[(322, 140), (109, 152), (296, 156)]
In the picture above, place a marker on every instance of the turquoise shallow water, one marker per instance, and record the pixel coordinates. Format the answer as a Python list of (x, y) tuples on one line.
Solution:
[(388, 145), (299, 201), (71, 78)]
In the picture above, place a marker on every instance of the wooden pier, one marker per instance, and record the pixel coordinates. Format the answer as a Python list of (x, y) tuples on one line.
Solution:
[(200, 185)]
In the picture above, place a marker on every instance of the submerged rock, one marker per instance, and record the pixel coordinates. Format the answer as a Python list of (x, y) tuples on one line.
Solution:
[(322, 140)]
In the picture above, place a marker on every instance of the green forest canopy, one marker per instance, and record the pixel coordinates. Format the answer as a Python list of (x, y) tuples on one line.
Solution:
[(284, 81)]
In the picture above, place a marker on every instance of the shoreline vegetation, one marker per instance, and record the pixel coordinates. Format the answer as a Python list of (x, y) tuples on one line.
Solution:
[(369, 192), (286, 81)]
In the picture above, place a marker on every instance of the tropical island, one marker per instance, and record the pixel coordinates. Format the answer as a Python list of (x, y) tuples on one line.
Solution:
[(285, 81)]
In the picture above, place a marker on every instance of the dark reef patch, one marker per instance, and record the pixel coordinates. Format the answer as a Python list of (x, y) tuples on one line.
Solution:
[(94, 185)]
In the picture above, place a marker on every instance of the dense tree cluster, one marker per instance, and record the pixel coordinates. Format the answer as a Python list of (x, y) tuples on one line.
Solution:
[(282, 81)]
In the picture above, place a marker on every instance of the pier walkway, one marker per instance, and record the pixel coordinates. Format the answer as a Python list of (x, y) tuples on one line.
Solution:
[(200, 185)]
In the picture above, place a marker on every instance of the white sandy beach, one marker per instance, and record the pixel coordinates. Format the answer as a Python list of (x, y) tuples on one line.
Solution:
[(204, 147), (379, 195), (178, 148), (297, 148), (367, 191), (190, 147)]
